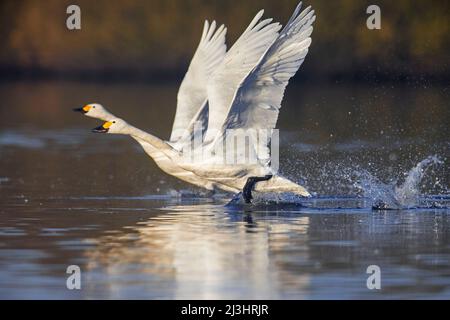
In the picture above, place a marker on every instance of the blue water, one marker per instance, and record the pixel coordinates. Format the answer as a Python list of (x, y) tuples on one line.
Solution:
[(68, 197)]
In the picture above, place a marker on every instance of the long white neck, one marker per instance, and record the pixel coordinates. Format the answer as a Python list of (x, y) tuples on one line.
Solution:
[(138, 134), (156, 142)]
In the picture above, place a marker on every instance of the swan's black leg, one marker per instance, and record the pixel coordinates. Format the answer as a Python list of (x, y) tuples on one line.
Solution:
[(250, 184), (247, 191)]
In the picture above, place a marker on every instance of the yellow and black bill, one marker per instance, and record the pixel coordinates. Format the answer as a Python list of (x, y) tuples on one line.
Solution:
[(103, 128), (84, 109)]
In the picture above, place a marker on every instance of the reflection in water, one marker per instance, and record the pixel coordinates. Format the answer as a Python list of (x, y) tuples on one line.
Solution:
[(206, 253), (70, 197), (132, 249)]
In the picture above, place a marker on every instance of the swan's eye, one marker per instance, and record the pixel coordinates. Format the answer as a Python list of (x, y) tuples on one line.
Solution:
[(114, 122), (93, 107)]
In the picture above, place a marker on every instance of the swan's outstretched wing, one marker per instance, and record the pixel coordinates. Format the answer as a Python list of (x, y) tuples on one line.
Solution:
[(239, 60), (258, 100), (195, 129), (192, 93)]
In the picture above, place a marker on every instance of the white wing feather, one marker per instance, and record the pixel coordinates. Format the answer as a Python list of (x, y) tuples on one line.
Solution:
[(258, 100), (196, 127), (239, 60), (193, 93)]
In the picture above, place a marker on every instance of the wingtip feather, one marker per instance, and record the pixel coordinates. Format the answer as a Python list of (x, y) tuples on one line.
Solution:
[(205, 30)]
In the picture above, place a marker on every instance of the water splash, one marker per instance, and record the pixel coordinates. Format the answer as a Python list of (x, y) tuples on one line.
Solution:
[(408, 193), (394, 195), (194, 193), (267, 202)]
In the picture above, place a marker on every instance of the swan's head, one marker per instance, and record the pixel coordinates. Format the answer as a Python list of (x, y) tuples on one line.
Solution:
[(95, 110), (117, 126)]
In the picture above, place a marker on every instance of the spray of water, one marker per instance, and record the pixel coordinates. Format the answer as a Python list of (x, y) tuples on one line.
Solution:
[(268, 201), (395, 195)]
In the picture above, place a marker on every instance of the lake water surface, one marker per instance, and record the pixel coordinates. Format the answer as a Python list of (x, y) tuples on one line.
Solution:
[(70, 197)]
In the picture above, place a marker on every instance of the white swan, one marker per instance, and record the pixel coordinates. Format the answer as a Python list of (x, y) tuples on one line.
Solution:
[(241, 89)]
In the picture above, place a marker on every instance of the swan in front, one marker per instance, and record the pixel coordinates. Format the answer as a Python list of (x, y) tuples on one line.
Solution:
[(228, 96)]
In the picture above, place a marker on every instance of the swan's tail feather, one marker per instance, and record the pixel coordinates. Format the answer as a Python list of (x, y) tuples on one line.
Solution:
[(279, 184)]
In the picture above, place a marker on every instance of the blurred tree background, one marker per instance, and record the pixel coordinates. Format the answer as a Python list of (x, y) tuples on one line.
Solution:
[(148, 39)]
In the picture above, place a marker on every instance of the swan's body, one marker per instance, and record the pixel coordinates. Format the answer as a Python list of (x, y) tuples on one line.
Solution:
[(225, 91)]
